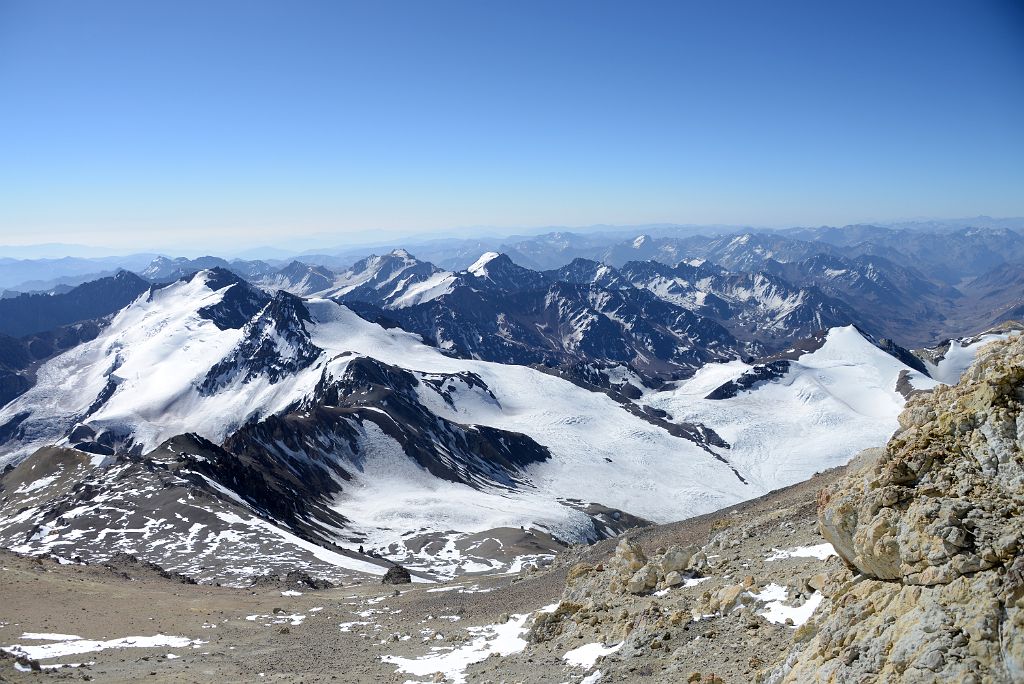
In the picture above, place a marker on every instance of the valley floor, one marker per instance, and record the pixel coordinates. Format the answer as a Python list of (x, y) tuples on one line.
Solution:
[(369, 633)]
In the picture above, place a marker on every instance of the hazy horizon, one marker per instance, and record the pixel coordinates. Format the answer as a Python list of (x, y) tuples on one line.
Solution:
[(328, 243)]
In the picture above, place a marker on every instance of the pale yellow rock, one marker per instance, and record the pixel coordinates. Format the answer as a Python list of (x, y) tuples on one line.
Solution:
[(643, 580), (673, 579), (817, 582), (675, 559), (728, 596)]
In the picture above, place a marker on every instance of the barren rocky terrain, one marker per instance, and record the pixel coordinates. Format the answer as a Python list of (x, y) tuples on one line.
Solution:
[(289, 632)]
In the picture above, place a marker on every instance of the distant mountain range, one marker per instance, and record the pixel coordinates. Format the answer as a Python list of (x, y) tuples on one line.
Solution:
[(906, 284), (32, 267)]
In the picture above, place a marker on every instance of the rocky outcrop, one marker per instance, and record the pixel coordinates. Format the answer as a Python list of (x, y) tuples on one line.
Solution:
[(671, 611), (630, 571), (602, 594), (931, 529), (396, 574)]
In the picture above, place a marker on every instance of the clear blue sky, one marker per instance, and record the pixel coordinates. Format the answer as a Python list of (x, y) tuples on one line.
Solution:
[(145, 122)]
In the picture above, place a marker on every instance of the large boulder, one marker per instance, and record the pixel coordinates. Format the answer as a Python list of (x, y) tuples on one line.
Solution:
[(644, 579), (302, 579), (396, 574)]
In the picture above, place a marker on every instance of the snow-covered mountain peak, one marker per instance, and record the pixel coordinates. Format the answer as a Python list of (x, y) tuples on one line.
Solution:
[(204, 288), (162, 269), (494, 269), (239, 300), (479, 267), (298, 268), (150, 357), (156, 268), (216, 278), (123, 276), (275, 344), (394, 280), (298, 278)]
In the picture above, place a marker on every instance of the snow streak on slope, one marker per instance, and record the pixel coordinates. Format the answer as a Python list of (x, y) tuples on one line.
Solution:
[(439, 284), (479, 267)]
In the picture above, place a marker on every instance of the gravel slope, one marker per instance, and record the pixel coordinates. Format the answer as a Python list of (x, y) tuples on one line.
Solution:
[(312, 637)]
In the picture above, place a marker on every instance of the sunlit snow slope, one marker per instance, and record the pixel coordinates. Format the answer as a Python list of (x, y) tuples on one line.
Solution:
[(950, 363), (830, 404), (147, 378)]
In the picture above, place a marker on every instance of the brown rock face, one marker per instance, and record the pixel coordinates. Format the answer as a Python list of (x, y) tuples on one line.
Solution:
[(933, 523)]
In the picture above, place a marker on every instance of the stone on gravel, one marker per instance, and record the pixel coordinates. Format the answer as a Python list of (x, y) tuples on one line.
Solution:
[(396, 574)]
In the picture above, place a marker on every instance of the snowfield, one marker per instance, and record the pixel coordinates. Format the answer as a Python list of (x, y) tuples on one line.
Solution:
[(597, 446), (833, 403), (499, 639), (586, 656)]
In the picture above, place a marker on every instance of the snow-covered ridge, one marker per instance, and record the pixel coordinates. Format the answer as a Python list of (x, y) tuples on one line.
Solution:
[(830, 404), (478, 267), (947, 363), (393, 280), (142, 380)]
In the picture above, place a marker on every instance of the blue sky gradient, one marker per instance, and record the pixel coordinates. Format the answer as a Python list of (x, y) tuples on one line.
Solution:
[(146, 123)]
